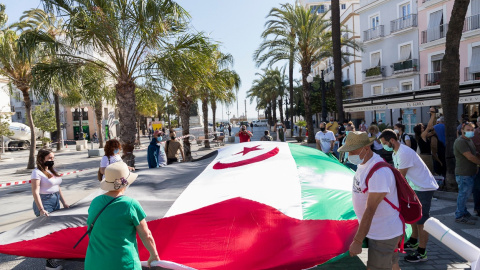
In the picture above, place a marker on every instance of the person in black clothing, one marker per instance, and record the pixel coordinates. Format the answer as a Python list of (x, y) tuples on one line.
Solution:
[(341, 132)]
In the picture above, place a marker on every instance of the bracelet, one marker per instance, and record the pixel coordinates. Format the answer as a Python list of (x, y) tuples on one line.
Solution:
[(355, 240)]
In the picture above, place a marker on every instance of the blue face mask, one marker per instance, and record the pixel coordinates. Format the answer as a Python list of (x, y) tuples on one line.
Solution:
[(159, 139), (355, 159), (346, 132), (390, 149), (469, 134), (116, 151)]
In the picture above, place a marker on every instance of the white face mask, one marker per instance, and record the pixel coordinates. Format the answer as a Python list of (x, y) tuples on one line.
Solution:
[(396, 131), (355, 159)]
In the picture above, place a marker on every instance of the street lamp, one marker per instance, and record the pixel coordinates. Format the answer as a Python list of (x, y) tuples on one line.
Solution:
[(228, 116), (80, 118)]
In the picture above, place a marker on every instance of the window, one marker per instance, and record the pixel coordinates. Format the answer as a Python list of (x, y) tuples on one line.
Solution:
[(377, 90), (348, 74), (344, 6), (318, 9), (435, 26), (409, 119), (405, 11), (105, 113), (374, 21), (475, 60), (475, 7), (375, 60), (407, 86), (17, 97), (437, 62), (19, 115), (405, 52), (76, 115), (380, 116)]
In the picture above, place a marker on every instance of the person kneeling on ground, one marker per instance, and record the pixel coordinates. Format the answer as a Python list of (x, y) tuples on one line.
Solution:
[(266, 137), (412, 167), (379, 221)]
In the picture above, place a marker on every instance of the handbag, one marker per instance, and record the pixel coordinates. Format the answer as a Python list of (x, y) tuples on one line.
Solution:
[(93, 223)]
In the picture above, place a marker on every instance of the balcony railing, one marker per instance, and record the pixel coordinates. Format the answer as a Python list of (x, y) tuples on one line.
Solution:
[(374, 72), (405, 66), (471, 76), (403, 23), (373, 33), (346, 83), (434, 33), (432, 78), (345, 36), (471, 23)]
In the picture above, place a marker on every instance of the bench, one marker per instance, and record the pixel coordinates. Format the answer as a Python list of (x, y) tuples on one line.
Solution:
[(220, 140), (200, 140)]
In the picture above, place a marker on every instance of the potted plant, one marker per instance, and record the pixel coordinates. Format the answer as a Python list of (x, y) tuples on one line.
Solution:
[(301, 125)]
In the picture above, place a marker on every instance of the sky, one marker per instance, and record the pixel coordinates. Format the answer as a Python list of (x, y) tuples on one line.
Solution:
[(237, 25)]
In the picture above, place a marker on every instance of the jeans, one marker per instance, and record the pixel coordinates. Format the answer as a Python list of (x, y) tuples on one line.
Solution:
[(50, 202), (476, 193), (465, 187)]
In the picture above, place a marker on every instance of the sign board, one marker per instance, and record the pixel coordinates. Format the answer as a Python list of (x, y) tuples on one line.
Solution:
[(157, 125), (415, 104), (366, 108)]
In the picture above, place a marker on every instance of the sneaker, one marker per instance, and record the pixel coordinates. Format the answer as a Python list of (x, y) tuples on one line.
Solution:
[(416, 257), (465, 220), (472, 217), (410, 246), (52, 265)]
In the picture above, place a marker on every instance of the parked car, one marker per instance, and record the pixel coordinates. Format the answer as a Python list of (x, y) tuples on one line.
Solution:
[(261, 123)]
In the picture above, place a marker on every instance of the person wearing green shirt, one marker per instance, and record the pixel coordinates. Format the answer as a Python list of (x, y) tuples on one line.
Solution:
[(113, 241)]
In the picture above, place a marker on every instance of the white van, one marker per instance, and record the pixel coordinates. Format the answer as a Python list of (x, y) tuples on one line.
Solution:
[(261, 123)]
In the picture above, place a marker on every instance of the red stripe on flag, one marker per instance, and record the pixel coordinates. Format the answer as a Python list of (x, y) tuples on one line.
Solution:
[(233, 234)]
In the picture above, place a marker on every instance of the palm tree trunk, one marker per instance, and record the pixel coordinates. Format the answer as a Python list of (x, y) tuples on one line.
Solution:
[(306, 100), (449, 86), (57, 121), (28, 112), (269, 117), (184, 108), (126, 101), (205, 121), (280, 107), (290, 81), (337, 58), (98, 115), (214, 112), (274, 111)]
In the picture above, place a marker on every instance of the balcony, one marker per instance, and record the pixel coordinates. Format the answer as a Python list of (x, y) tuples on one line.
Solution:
[(405, 66), (346, 83), (434, 33), (374, 73), (471, 23), (403, 23), (432, 79), (471, 76), (373, 33)]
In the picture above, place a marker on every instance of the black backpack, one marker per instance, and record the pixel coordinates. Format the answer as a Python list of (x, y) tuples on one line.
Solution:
[(413, 141)]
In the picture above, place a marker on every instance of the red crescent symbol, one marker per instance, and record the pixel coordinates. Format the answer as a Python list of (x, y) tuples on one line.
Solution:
[(262, 157)]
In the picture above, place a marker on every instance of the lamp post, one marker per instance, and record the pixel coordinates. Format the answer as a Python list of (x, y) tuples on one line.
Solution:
[(80, 118), (286, 109), (322, 67), (228, 116)]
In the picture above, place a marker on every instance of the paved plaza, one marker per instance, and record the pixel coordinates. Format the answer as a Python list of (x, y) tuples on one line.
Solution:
[(16, 202)]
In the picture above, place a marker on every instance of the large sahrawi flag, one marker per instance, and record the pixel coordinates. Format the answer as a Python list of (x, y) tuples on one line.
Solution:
[(258, 205)]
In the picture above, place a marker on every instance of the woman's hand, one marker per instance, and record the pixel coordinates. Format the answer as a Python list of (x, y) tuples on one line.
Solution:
[(131, 168), (153, 257), (66, 205), (43, 212)]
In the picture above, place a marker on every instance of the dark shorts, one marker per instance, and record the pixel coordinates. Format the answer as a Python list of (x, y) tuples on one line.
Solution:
[(381, 253), (425, 198), (171, 160)]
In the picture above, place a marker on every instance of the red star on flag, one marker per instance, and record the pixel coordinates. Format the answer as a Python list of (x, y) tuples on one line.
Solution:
[(247, 150)]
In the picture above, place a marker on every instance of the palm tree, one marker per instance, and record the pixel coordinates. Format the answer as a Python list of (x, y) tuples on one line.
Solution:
[(337, 58), (119, 37), (185, 67), (449, 87), (282, 46)]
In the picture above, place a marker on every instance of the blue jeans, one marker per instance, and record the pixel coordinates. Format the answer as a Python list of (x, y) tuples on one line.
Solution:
[(50, 202), (465, 187)]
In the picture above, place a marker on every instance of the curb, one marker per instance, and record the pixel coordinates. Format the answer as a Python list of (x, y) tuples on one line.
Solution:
[(449, 196)]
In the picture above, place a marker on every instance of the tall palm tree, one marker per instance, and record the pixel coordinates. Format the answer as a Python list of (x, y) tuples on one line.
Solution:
[(118, 36), (17, 67), (337, 58), (449, 87), (282, 46)]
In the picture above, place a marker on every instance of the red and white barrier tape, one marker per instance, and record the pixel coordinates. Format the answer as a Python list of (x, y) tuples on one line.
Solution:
[(29, 181)]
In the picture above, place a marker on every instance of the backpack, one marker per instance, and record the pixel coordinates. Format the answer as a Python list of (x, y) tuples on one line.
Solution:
[(410, 208), (413, 141)]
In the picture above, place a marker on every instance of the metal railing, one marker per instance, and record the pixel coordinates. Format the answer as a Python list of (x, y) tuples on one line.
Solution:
[(373, 33), (403, 23), (434, 33), (374, 72), (346, 83), (432, 78), (472, 23), (471, 76), (405, 66)]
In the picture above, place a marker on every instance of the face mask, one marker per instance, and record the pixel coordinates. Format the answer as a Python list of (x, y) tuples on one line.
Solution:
[(345, 126), (355, 159), (173, 137), (346, 132), (331, 121), (49, 163), (396, 131), (469, 134), (386, 147), (116, 151), (322, 129), (159, 139)]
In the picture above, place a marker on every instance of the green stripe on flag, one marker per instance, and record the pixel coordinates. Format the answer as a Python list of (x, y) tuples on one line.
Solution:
[(319, 200)]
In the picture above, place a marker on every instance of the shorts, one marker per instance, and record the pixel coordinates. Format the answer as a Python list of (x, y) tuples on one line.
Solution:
[(50, 202), (382, 254), (425, 198)]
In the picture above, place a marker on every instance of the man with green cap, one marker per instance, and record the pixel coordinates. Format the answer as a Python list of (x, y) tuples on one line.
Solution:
[(378, 221)]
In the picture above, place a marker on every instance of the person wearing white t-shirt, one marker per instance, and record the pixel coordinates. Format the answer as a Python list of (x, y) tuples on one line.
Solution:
[(379, 221), (112, 155), (412, 167), (325, 139)]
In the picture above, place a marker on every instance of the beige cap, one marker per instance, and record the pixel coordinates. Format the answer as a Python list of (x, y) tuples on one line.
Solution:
[(355, 140), (117, 176)]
